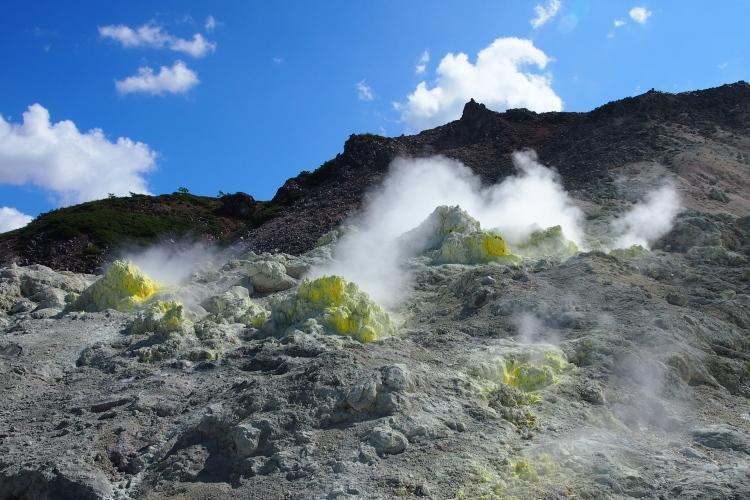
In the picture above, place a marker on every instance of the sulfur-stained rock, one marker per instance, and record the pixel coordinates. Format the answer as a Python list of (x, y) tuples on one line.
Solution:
[(230, 304), (547, 243), (122, 287), (527, 369), (451, 235), (162, 318), (236, 306), (339, 306), (630, 253)]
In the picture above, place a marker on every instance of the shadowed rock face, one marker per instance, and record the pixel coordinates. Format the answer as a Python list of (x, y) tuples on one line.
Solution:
[(702, 138)]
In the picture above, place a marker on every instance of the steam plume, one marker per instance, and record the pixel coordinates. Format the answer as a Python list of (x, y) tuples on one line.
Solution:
[(533, 198), (649, 219)]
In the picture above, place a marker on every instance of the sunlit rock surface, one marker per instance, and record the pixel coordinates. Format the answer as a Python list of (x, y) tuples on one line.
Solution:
[(548, 243), (122, 288), (161, 317), (339, 306), (451, 235)]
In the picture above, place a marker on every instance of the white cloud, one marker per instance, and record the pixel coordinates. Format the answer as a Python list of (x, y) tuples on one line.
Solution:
[(364, 91), (544, 13), (151, 35), (639, 14), (619, 23), (497, 79), (211, 24), (422, 63), (74, 166), (175, 80), (11, 219)]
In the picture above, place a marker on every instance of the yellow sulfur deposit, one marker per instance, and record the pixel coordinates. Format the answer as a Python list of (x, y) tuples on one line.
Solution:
[(494, 245), (632, 252), (527, 371), (523, 469), (161, 317), (338, 305), (548, 243), (531, 470), (122, 287), (474, 248), (534, 374), (451, 236)]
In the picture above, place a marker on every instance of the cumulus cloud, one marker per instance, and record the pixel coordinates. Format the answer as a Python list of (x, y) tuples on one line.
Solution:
[(152, 35), (421, 67), (619, 23), (543, 13), (74, 166), (639, 14), (175, 80), (498, 79), (364, 91), (11, 219)]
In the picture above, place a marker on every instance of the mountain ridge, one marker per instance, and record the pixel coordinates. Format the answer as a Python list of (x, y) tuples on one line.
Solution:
[(673, 132)]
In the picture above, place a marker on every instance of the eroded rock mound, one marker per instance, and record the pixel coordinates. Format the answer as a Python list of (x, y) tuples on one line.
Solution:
[(451, 235), (122, 288), (340, 307)]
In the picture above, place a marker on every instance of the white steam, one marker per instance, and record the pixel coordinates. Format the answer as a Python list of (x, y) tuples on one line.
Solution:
[(649, 219), (173, 265), (533, 198)]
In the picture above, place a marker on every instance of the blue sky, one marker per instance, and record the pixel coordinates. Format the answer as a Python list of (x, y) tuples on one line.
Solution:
[(273, 88)]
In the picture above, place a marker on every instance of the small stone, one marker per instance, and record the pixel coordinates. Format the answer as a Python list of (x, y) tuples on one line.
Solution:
[(692, 453), (592, 393), (397, 378), (676, 299), (386, 441), (245, 438), (367, 454)]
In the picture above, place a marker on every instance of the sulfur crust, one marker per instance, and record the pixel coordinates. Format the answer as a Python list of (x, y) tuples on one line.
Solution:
[(123, 287), (161, 317), (339, 306)]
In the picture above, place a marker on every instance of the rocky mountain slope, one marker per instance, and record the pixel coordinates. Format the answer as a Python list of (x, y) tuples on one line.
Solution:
[(702, 138), (501, 367)]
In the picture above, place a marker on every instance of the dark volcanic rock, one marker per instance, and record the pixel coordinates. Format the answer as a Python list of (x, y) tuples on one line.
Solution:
[(237, 205)]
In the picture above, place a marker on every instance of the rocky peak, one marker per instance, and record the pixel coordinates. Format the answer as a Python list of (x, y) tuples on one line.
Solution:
[(473, 111)]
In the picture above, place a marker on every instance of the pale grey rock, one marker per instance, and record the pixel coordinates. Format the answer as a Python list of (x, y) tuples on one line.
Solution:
[(387, 441), (268, 276), (722, 438)]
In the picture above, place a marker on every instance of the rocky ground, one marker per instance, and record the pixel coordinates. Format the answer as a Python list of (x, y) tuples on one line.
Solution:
[(585, 375), (597, 376)]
